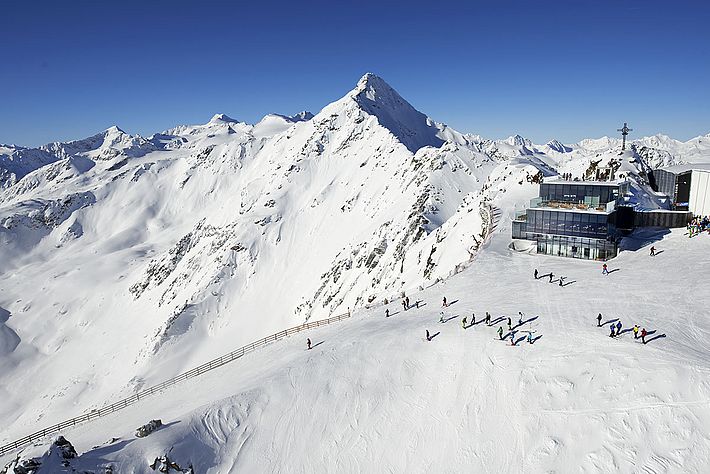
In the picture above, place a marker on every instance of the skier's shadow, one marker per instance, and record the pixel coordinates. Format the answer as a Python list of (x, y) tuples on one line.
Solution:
[(611, 321), (419, 304), (535, 339), (660, 252), (525, 322), (569, 283), (521, 339), (434, 335), (446, 320), (497, 320), (317, 344), (624, 331), (479, 321), (396, 312), (655, 337), (614, 270), (453, 302)]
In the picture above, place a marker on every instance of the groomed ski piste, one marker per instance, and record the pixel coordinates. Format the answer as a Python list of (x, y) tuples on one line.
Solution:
[(373, 395)]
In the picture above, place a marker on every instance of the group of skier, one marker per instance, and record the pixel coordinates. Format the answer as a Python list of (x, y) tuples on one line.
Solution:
[(560, 280), (615, 329), (698, 225)]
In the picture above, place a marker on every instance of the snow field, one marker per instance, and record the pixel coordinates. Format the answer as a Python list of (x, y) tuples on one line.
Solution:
[(374, 396)]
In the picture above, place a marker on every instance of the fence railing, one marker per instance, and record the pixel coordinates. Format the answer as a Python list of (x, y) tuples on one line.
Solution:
[(206, 367)]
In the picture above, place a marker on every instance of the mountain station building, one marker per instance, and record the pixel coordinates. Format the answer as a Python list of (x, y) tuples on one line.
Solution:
[(585, 219), (688, 187)]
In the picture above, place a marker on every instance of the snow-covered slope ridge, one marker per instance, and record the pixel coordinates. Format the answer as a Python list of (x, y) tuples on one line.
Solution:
[(374, 396), (131, 259)]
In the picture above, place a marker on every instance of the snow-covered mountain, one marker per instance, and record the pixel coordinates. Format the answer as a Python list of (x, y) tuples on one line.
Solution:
[(130, 259)]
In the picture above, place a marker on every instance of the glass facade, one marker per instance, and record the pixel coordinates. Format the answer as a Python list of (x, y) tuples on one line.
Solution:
[(578, 224), (575, 247), (568, 191), (567, 234)]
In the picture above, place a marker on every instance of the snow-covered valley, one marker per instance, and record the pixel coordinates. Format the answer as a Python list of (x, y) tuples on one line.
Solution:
[(126, 260)]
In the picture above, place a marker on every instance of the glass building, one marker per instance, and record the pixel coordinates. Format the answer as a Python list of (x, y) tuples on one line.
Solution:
[(572, 219)]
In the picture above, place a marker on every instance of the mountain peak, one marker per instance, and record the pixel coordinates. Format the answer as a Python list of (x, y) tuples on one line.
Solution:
[(114, 129), (216, 118), (413, 129)]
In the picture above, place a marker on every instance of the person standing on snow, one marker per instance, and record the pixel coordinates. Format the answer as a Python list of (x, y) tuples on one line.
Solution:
[(510, 324), (441, 317), (404, 305), (387, 313), (428, 338), (644, 333), (500, 332), (530, 339), (653, 251), (551, 276), (599, 320), (612, 331), (636, 331), (520, 318), (473, 319), (618, 328), (536, 273), (308, 343), (488, 318), (463, 322), (444, 303), (512, 338), (605, 270)]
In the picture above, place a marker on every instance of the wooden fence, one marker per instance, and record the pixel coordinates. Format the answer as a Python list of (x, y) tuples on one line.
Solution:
[(197, 371)]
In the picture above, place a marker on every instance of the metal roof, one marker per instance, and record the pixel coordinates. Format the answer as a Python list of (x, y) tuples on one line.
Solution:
[(676, 169)]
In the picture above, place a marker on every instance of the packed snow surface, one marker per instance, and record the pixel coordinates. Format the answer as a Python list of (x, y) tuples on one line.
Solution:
[(125, 260), (374, 396)]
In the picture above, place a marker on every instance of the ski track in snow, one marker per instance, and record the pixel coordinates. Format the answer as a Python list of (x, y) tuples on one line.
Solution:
[(376, 397)]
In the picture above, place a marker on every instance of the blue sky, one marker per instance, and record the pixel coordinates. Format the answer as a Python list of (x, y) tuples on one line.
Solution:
[(565, 70)]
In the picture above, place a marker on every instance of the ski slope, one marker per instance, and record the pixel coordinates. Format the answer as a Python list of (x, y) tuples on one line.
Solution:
[(374, 396)]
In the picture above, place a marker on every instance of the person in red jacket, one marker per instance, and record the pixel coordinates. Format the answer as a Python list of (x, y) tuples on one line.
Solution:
[(643, 335)]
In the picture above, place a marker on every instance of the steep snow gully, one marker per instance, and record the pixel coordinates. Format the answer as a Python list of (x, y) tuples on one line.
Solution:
[(125, 261)]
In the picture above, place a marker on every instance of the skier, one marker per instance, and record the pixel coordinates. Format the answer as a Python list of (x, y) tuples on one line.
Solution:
[(530, 339), (618, 328), (599, 320), (473, 319), (653, 251), (387, 313), (605, 270), (428, 338), (561, 278), (510, 324), (520, 318), (512, 339), (500, 332), (444, 302), (441, 317), (488, 318), (612, 331), (536, 273), (643, 335), (406, 300), (463, 322), (308, 343), (551, 275), (636, 331), (404, 305)]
